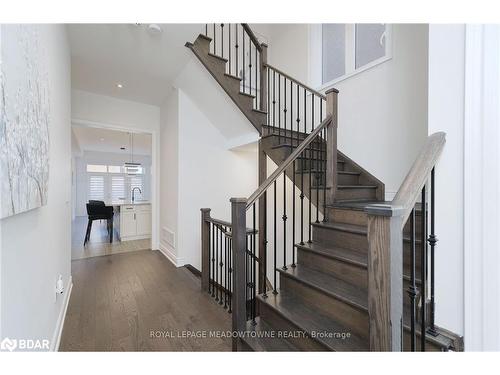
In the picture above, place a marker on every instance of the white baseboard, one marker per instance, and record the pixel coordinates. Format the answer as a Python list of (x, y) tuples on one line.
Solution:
[(56, 337), (176, 261)]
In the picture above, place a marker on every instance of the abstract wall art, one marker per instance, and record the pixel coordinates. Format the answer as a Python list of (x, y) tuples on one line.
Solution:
[(24, 119)]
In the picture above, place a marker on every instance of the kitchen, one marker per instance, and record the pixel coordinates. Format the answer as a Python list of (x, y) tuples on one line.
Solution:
[(111, 177)]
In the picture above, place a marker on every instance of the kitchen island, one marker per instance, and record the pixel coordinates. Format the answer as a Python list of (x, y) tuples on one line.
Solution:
[(132, 220)]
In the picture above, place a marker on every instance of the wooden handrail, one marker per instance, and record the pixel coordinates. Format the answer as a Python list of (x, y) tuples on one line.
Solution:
[(289, 160), (252, 36), (410, 189), (223, 223), (317, 93)]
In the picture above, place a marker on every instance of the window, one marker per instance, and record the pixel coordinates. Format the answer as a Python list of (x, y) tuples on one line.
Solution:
[(97, 168), (118, 188), (342, 50), (96, 187)]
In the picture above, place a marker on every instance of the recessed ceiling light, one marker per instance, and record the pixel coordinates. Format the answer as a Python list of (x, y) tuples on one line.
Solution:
[(119, 85), (154, 28), (101, 139)]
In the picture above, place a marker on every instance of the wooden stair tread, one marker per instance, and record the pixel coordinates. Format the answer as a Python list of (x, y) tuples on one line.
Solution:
[(218, 57), (335, 252), (355, 205), (351, 228), (247, 94), (232, 76), (310, 321), (261, 342), (329, 285)]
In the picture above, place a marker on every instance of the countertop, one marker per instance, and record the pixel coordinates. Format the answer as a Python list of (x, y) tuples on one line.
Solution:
[(127, 203)]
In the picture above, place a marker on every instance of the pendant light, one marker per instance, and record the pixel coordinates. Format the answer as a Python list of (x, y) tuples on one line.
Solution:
[(131, 167)]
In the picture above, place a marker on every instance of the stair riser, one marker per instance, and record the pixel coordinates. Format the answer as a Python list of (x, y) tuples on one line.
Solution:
[(203, 44), (347, 179), (358, 217), (335, 237), (216, 65), (280, 323), (343, 270), (347, 315), (354, 194)]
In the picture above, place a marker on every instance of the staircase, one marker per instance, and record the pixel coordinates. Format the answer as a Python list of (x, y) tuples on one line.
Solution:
[(329, 280)]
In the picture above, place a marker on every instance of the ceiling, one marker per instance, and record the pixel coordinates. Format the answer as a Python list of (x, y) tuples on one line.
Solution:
[(104, 140), (145, 63)]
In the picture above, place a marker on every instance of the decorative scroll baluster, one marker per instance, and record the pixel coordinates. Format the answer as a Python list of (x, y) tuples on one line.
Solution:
[(279, 108), (423, 271), (432, 242), (284, 113), (412, 290), (284, 220), (237, 53), (254, 273), (275, 248)]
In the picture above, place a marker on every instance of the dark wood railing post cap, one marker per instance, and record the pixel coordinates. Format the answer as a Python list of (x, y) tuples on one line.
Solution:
[(384, 210), (333, 89), (205, 209), (238, 200)]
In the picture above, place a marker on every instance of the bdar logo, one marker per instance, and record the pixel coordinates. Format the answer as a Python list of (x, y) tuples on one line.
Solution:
[(8, 344)]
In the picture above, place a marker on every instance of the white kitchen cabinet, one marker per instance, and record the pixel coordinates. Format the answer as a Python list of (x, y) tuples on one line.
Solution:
[(135, 222)]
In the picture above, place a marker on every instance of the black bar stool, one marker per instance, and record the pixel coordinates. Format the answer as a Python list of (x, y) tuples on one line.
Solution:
[(97, 210)]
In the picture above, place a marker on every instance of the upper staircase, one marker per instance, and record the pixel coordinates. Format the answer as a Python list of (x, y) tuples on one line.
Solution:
[(316, 259)]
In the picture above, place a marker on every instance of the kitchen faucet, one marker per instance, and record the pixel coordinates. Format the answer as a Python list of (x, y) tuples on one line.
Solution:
[(133, 191)]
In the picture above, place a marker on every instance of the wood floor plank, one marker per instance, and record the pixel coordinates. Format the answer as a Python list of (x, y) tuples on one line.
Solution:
[(139, 301)]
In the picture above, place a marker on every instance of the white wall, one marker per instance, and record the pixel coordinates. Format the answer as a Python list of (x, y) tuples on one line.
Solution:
[(207, 173), (382, 111), (169, 175), (36, 245), (106, 158), (89, 109), (446, 113)]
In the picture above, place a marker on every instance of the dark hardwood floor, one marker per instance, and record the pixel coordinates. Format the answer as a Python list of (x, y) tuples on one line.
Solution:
[(119, 301)]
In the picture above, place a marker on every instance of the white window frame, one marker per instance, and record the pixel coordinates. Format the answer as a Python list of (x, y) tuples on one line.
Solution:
[(316, 56)]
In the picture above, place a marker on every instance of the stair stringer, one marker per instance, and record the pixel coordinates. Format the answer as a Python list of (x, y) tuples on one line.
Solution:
[(216, 66)]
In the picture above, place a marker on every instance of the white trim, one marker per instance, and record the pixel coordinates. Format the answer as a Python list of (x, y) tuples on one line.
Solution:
[(175, 260), (481, 188), (56, 337), (155, 168), (389, 195), (315, 55)]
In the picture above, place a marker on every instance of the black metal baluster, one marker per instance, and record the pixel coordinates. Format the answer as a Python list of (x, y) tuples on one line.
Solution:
[(254, 285), (274, 101), (432, 242), (237, 54), (256, 80), (206, 29), (263, 263), (216, 264), (423, 270), (210, 267), (268, 97), (244, 67), (311, 155), (229, 47), (323, 164), (274, 265), (291, 115), (225, 271), (247, 276), (284, 112), (318, 173), (284, 217), (279, 107), (222, 39), (230, 272), (250, 65), (294, 175), (412, 290), (223, 230), (298, 121), (215, 53)]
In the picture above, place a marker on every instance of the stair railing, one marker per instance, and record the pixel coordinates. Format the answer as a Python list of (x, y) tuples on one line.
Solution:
[(246, 57), (385, 256)]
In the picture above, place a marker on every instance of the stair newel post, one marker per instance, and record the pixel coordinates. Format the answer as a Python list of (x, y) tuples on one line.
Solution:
[(263, 77), (205, 249), (331, 144), (238, 220), (385, 277)]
